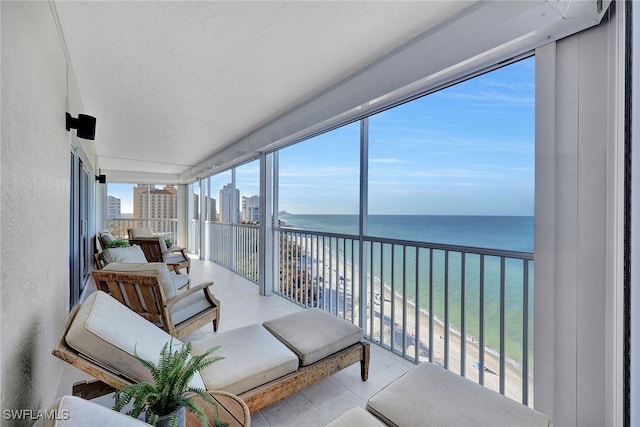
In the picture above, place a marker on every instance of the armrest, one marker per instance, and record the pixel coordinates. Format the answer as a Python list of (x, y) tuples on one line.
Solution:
[(201, 287), (174, 266), (149, 239)]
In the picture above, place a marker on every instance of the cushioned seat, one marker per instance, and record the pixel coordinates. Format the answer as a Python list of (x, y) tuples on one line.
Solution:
[(189, 307), (126, 254), (252, 357), (314, 334), (179, 311), (136, 232), (102, 335), (106, 331), (172, 283), (70, 411), (135, 255), (155, 248), (356, 417), (429, 395), (102, 331)]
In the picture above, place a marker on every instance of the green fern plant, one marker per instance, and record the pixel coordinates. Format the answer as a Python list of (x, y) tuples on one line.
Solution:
[(172, 374)]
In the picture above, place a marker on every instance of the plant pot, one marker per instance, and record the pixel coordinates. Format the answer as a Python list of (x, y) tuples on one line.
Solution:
[(181, 420)]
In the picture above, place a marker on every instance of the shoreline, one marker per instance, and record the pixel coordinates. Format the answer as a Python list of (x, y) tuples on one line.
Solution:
[(513, 382), (335, 280)]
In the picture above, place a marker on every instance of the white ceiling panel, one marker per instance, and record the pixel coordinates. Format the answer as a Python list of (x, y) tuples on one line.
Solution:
[(173, 83)]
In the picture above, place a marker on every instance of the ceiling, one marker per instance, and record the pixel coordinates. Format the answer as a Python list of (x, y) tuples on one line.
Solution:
[(174, 83), (183, 89)]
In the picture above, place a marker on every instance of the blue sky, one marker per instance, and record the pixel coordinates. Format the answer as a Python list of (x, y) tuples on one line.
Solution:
[(465, 150)]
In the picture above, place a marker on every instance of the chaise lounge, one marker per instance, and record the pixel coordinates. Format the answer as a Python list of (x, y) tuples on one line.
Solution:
[(263, 363), (429, 395)]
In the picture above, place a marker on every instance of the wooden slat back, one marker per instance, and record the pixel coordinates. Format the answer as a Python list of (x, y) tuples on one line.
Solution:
[(150, 247), (140, 292)]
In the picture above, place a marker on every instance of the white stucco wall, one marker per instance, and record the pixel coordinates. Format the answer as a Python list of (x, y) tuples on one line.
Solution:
[(35, 203)]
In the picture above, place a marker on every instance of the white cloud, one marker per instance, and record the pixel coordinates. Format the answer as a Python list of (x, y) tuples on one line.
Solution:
[(388, 161)]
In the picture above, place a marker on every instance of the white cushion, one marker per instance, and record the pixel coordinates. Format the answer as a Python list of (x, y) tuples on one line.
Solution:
[(356, 417), (252, 357), (174, 258), (129, 254), (314, 334), (71, 411), (108, 332), (163, 245), (150, 269), (430, 395), (106, 237), (141, 232), (179, 280), (189, 307)]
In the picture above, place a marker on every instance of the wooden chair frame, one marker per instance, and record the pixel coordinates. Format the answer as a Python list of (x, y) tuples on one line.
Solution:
[(144, 295), (153, 252), (258, 398)]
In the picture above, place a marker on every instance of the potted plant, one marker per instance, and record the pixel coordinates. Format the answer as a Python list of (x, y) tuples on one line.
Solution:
[(118, 243), (165, 400)]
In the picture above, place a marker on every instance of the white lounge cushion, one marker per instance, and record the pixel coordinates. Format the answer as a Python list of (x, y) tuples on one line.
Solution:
[(106, 237), (108, 332), (179, 280), (356, 417), (314, 334), (176, 258), (71, 411), (159, 269), (252, 357), (173, 253), (429, 395), (141, 232), (189, 307), (128, 254)]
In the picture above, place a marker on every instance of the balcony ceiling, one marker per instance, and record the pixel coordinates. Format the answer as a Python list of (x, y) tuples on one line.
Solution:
[(174, 83)]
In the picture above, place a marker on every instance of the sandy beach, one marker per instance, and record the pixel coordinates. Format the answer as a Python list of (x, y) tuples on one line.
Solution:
[(336, 279), (513, 382)]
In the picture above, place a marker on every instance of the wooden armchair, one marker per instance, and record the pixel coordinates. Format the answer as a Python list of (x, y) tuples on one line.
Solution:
[(156, 250), (149, 290)]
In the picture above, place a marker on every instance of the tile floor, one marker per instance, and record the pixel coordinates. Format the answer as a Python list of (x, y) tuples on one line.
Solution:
[(317, 405)]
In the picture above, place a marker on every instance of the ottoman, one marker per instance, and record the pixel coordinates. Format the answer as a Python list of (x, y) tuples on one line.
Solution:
[(314, 334), (356, 417), (429, 395)]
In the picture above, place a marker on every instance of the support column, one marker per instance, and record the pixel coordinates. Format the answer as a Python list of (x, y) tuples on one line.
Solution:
[(364, 212), (267, 218)]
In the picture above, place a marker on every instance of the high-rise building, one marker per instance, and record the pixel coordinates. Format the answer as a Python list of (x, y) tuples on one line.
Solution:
[(250, 209), (113, 207), (213, 211), (151, 202), (229, 204)]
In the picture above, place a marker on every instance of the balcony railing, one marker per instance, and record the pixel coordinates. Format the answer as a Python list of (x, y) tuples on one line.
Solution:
[(164, 227), (234, 246), (481, 300), (467, 309)]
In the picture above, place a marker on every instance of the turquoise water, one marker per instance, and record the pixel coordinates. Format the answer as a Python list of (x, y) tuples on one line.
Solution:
[(511, 233)]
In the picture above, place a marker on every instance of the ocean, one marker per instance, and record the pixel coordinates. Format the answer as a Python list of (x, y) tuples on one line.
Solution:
[(509, 233)]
